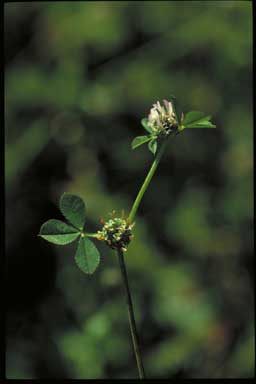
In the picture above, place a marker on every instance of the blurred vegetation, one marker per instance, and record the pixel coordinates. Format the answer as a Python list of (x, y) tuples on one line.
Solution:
[(79, 76)]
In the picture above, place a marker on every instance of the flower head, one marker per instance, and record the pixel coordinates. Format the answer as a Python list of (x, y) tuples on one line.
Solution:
[(117, 233), (162, 119)]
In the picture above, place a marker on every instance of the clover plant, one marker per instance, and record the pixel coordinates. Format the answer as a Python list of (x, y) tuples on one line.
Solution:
[(163, 122)]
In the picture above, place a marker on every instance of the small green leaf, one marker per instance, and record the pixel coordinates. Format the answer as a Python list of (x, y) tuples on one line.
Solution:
[(144, 122), (87, 256), (139, 140), (203, 124), (152, 146), (58, 232), (73, 208), (193, 117), (196, 119)]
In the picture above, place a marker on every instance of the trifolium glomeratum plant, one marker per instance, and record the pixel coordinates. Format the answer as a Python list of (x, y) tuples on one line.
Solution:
[(164, 122)]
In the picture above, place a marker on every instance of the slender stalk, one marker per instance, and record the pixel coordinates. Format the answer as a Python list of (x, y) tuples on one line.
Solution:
[(132, 323), (131, 217), (147, 181), (95, 235)]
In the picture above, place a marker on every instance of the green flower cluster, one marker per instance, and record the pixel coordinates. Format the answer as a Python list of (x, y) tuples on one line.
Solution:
[(117, 233)]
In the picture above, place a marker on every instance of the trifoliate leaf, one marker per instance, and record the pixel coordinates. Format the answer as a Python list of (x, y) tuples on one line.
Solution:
[(144, 122), (139, 140), (58, 232), (73, 208), (87, 256), (196, 119), (152, 146)]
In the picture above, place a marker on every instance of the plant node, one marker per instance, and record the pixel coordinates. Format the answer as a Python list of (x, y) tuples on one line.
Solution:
[(116, 232)]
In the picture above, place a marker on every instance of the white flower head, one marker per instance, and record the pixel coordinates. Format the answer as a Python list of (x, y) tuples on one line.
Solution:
[(168, 106), (162, 118)]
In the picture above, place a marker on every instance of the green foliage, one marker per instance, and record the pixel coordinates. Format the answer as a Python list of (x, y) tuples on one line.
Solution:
[(150, 139), (139, 140), (74, 62), (144, 123), (117, 231), (57, 232), (72, 207), (192, 119), (196, 119), (87, 256), (152, 146)]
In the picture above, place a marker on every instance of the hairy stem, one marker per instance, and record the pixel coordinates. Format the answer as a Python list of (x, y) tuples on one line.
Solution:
[(132, 323), (147, 181)]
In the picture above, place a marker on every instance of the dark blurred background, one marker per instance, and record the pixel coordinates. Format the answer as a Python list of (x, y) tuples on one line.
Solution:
[(79, 77)]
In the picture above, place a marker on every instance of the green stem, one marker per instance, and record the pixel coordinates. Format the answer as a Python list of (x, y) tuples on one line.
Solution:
[(122, 262), (86, 234), (143, 187), (132, 323), (147, 181)]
